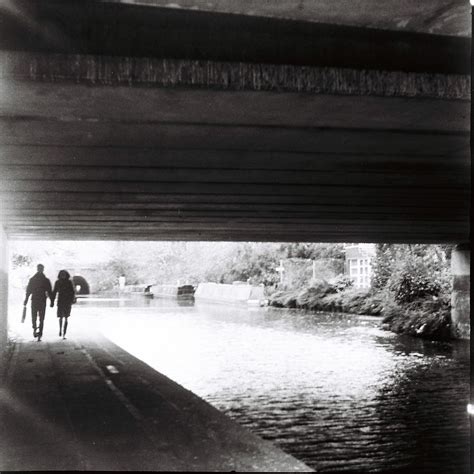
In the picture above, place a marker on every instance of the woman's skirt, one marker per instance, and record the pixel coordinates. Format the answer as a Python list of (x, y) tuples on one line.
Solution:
[(64, 310)]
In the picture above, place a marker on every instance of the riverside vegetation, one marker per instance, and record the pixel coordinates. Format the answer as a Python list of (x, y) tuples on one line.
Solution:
[(411, 291)]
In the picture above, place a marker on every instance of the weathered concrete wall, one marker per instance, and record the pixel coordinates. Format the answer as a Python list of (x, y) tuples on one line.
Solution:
[(3, 295), (460, 301)]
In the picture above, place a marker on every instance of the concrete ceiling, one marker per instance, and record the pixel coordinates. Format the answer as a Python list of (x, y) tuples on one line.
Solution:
[(129, 122), (443, 17)]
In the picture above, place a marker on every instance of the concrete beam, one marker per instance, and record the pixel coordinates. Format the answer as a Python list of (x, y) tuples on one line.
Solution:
[(20, 174), (118, 29), (86, 205), (210, 235), (203, 159), (435, 16), (308, 192), (209, 214), (205, 74), (65, 133), (151, 200)]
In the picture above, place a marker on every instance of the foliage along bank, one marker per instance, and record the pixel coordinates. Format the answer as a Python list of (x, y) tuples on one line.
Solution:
[(411, 290)]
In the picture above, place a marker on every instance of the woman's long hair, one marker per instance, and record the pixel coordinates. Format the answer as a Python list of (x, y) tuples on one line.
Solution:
[(65, 273)]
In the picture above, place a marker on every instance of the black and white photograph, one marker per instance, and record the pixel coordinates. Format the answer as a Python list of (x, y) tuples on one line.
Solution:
[(235, 236)]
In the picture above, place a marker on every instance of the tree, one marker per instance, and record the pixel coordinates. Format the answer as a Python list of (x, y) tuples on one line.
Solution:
[(255, 262), (383, 265), (20, 260), (412, 271)]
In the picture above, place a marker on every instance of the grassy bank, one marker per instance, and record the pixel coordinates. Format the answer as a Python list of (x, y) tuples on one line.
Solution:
[(348, 301), (433, 326), (427, 318)]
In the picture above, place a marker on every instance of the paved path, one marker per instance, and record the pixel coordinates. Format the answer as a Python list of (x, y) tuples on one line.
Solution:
[(85, 404)]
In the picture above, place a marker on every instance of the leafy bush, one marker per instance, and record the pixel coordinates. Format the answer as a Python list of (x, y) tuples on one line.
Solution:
[(283, 299), (412, 285), (342, 282), (306, 299), (321, 288), (435, 326)]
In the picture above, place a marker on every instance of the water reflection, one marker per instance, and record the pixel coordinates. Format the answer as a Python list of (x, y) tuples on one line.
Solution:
[(334, 390)]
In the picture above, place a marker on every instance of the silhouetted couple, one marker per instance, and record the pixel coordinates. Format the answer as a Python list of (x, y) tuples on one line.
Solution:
[(39, 287)]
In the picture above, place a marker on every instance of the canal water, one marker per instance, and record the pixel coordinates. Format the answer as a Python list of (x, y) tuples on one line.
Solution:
[(334, 390)]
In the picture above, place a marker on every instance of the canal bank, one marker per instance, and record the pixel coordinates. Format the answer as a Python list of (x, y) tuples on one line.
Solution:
[(86, 404), (426, 318)]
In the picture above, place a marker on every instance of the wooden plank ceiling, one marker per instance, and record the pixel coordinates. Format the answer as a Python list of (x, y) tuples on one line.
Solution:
[(133, 122)]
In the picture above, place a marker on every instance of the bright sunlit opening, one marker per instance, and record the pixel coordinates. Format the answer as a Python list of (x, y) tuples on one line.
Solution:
[(470, 406)]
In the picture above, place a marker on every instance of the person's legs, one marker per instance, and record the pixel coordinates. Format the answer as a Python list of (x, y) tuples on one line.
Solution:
[(34, 312), (60, 317), (65, 327), (41, 312), (66, 313)]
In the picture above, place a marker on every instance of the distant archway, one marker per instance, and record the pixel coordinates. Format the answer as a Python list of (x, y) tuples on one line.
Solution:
[(80, 285)]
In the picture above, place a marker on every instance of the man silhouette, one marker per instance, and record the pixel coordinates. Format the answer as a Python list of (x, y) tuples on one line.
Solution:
[(39, 287)]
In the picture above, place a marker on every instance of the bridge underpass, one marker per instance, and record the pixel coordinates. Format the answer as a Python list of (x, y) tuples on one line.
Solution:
[(119, 122), (129, 121)]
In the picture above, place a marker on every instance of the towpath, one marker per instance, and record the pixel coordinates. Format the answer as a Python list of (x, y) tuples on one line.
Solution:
[(85, 404)]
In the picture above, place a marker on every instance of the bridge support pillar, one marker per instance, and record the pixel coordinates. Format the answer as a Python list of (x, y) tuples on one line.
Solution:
[(460, 299), (3, 297)]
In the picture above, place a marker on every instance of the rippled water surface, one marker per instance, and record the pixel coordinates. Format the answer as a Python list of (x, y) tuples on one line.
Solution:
[(335, 391)]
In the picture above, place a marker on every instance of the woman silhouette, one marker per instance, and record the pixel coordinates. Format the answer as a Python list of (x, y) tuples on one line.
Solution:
[(66, 297)]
